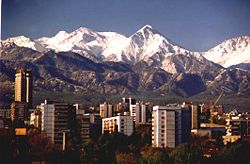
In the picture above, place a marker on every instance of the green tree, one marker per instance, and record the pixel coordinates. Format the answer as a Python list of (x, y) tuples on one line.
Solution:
[(154, 155), (186, 153)]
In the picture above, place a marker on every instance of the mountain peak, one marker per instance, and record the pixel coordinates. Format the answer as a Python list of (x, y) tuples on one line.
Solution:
[(230, 52), (61, 35), (147, 26), (83, 30), (19, 38)]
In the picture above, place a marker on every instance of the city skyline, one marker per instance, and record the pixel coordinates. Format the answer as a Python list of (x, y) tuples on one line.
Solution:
[(197, 26)]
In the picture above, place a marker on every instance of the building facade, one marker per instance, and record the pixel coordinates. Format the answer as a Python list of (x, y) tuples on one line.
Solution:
[(120, 124), (142, 113), (89, 126), (83, 128), (236, 128), (130, 104), (5, 113), (56, 119), (195, 111), (24, 86), (36, 119), (19, 111), (106, 110), (171, 126)]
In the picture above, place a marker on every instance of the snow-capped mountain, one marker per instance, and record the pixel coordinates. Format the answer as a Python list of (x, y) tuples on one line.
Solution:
[(23, 41), (147, 45), (149, 63), (230, 52), (111, 46)]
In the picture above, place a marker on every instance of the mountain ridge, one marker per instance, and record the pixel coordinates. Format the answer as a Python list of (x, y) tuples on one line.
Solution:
[(142, 45), (110, 63)]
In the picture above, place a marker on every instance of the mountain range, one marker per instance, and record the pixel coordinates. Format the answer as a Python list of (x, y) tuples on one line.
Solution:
[(107, 62)]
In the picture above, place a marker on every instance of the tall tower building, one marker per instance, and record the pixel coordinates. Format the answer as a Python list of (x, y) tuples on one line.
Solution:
[(23, 86), (171, 126)]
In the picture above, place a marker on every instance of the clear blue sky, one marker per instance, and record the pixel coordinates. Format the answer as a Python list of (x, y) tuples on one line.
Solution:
[(194, 24)]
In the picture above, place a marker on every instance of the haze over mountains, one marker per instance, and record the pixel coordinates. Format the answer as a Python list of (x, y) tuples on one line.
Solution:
[(108, 62)]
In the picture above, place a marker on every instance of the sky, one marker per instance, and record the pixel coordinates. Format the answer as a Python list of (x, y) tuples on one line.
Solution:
[(196, 25)]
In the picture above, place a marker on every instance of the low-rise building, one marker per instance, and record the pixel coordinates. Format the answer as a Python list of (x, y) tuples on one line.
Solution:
[(36, 119), (236, 128)]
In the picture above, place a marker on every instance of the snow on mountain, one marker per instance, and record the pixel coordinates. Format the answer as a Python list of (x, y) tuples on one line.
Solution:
[(146, 44), (111, 46), (82, 39), (230, 52), (114, 45), (23, 41)]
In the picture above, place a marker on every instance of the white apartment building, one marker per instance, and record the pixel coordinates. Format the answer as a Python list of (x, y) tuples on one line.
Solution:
[(171, 126), (121, 124)]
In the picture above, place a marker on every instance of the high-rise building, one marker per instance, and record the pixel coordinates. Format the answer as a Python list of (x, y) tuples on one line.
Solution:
[(83, 123), (56, 119), (89, 126), (121, 124), (142, 113), (171, 126), (23, 86), (130, 101), (106, 110), (195, 111)]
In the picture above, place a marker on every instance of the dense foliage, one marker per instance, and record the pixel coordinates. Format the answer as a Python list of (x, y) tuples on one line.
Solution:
[(118, 148)]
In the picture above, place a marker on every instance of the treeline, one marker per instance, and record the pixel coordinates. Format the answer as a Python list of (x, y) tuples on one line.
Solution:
[(118, 148)]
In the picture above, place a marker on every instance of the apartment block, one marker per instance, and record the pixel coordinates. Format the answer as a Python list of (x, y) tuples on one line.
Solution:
[(171, 126), (236, 128), (56, 119), (89, 126), (142, 113), (120, 124), (106, 110)]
